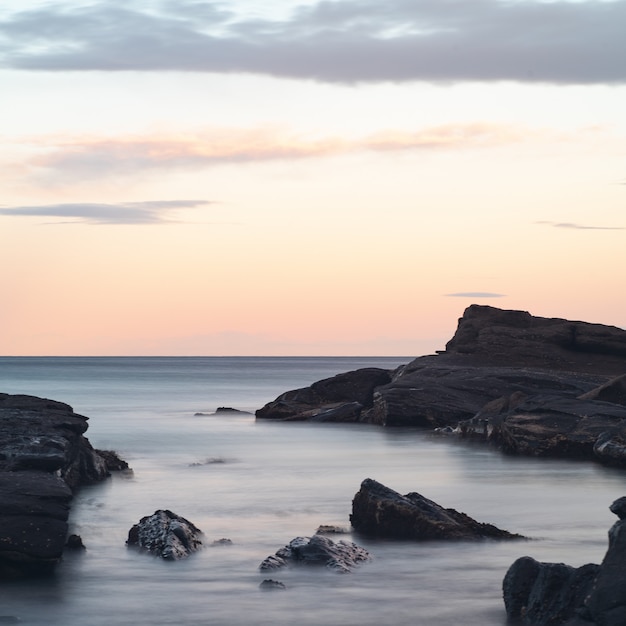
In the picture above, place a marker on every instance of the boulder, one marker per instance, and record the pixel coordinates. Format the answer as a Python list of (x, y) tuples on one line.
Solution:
[(554, 593), (341, 556), (379, 511), (166, 535)]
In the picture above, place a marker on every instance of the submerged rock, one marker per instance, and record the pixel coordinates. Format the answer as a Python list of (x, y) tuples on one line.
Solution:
[(382, 512), (341, 556), (271, 585), (165, 535), (553, 593)]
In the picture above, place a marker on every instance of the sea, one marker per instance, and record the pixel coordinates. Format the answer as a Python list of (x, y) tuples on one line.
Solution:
[(262, 483)]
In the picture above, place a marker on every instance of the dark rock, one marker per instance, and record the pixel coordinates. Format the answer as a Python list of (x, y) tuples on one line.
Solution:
[(613, 391), (342, 556), (326, 529), (222, 542), (271, 585), (166, 535), (34, 507), (381, 512), (75, 542), (44, 455), (546, 593), (113, 461), (554, 593), (607, 599), (45, 435), (340, 398), (528, 385)]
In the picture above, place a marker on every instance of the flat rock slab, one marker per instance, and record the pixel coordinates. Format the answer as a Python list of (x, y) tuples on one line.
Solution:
[(341, 556), (382, 512), (166, 535)]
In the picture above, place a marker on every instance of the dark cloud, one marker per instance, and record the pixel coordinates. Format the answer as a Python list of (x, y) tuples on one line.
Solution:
[(581, 226), (152, 212), (333, 41), (475, 294)]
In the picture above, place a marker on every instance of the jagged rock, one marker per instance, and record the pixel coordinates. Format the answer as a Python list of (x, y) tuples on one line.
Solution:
[(339, 398), (271, 585), (166, 535), (113, 461), (382, 512), (44, 455), (553, 593), (341, 556)]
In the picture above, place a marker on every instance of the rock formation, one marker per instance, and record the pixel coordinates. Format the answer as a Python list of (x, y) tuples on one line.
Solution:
[(44, 456), (529, 385), (554, 593), (378, 511), (166, 535), (341, 556)]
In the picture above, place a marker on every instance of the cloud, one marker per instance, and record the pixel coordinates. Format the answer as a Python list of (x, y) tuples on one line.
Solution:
[(346, 42), (150, 212), (98, 157), (475, 294), (581, 226)]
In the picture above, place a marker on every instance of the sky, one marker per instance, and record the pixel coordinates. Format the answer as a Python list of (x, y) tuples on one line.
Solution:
[(305, 178)]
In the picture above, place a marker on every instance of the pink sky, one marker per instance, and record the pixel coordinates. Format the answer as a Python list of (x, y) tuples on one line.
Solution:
[(206, 189)]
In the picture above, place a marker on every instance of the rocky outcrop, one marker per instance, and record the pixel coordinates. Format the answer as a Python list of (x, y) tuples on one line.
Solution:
[(341, 556), (382, 512), (166, 535), (44, 456), (553, 593), (34, 507), (341, 398), (528, 385)]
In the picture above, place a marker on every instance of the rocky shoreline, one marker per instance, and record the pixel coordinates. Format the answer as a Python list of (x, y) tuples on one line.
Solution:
[(44, 458), (527, 385)]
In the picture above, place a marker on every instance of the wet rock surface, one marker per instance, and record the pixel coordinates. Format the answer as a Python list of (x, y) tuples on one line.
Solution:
[(554, 593), (166, 535), (379, 511), (44, 456), (341, 556)]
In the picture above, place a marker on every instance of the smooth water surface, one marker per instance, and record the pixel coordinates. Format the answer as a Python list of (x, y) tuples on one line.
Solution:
[(261, 484)]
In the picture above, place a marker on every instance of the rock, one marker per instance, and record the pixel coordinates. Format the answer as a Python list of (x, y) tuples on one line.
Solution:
[(271, 585), (327, 529), (607, 599), (113, 461), (613, 391), (34, 508), (44, 455), (554, 593), (339, 398), (166, 535), (342, 556), (222, 542), (381, 512), (528, 385), (45, 435), (75, 542), (546, 593)]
